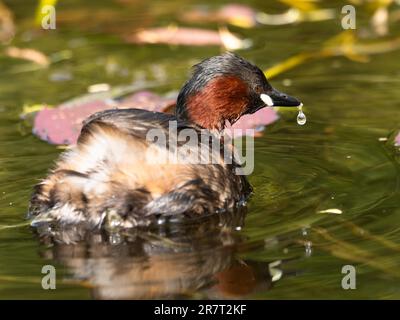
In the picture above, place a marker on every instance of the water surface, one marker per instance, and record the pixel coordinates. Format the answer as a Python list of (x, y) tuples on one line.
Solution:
[(284, 248)]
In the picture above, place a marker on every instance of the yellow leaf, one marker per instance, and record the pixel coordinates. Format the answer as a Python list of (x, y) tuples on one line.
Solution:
[(287, 64), (303, 5)]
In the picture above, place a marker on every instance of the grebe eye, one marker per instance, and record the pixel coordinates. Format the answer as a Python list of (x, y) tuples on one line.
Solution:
[(258, 89)]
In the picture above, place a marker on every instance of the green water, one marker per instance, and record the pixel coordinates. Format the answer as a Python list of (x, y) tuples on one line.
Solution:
[(335, 161)]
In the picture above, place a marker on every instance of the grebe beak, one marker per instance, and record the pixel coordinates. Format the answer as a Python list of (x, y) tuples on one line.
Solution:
[(279, 99)]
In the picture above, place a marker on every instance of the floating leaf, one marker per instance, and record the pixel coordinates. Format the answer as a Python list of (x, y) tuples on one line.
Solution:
[(332, 210), (256, 121), (246, 17), (29, 109), (380, 20), (239, 15), (28, 54), (174, 35), (288, 64), (99, 87), (232, 42), (288, 17), (303, 5), (344, 44), (62, 125)]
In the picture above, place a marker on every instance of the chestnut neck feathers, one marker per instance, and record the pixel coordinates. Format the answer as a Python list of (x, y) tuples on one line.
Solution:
[(222, 88)]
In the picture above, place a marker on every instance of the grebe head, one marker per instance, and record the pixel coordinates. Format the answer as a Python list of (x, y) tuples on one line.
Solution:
[(225, 87)]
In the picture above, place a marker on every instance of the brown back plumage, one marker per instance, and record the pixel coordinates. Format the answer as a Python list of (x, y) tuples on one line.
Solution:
[(114, 168)]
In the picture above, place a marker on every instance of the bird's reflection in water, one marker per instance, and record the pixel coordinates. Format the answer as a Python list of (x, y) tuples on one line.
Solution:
[(171, 260)]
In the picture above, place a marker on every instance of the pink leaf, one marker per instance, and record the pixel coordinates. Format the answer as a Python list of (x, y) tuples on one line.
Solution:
[(254, 123), (62, 125), (397, 140)]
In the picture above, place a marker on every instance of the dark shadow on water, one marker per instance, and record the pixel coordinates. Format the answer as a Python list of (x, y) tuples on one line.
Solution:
[(172, 260)]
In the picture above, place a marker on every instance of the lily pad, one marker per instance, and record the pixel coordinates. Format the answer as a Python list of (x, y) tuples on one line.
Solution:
[(62, 125), (253, 124)]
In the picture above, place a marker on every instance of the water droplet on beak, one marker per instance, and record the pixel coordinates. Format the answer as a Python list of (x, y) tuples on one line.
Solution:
[(301, 117)]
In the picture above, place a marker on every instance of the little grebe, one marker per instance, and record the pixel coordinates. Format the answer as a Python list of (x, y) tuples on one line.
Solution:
[(111, 169)]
